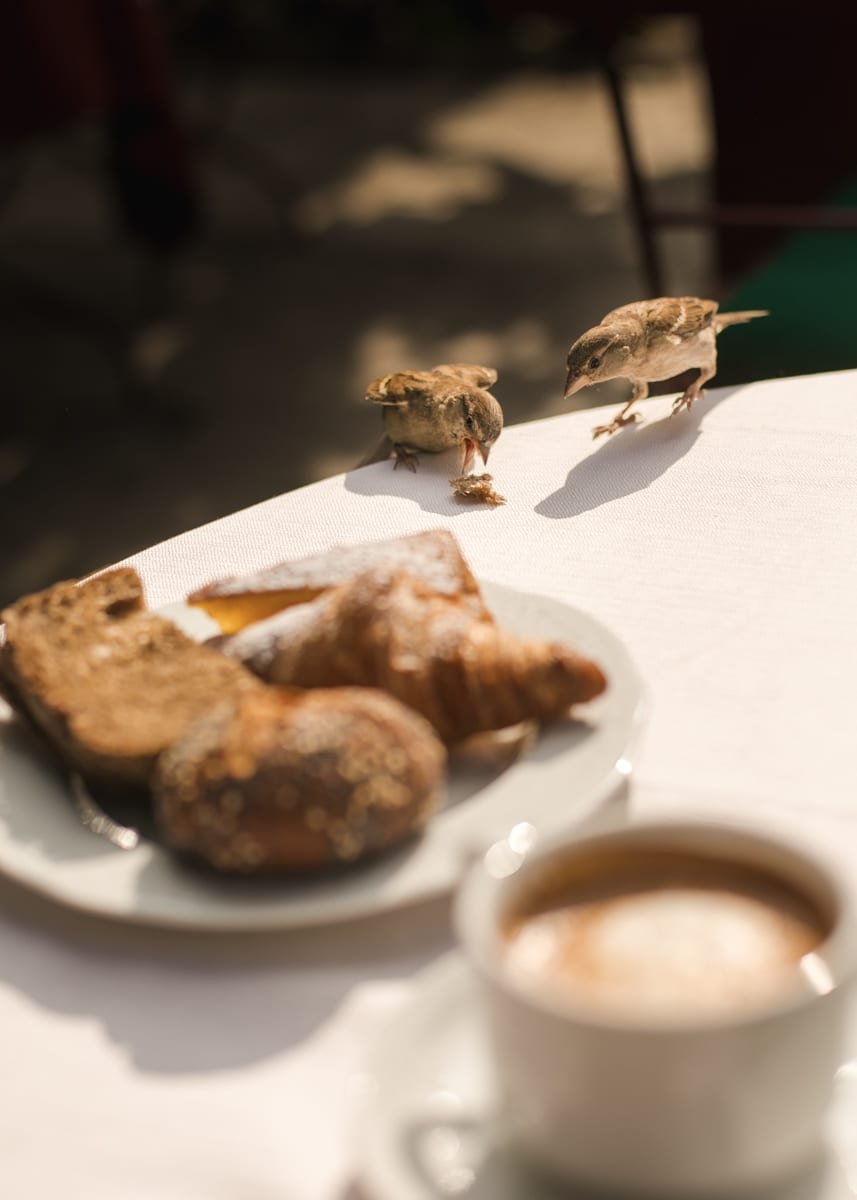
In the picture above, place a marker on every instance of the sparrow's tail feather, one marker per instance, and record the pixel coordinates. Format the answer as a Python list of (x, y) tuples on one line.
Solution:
[(738, 318), (381, 452)]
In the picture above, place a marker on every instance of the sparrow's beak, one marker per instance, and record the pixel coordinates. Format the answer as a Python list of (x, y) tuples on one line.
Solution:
[(574, 383), (468, 453)]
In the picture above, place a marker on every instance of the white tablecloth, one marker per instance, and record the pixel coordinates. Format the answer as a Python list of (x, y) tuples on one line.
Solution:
[(721, 545)]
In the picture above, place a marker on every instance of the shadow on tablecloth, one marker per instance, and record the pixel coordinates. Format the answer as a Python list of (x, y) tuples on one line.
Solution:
[(629, 461), (428, 486)]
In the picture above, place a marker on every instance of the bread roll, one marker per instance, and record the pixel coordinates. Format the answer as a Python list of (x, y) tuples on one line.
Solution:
[(283, 780)]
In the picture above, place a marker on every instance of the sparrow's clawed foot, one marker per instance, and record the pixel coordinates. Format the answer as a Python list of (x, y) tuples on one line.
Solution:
[(685, 400), (405, 457), (615, 425)]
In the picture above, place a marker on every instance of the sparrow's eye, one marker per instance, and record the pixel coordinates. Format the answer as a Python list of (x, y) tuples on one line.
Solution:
[(594, 362), (468, 421)]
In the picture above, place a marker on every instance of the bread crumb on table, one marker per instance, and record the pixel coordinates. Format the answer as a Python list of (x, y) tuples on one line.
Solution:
[(477, 487)]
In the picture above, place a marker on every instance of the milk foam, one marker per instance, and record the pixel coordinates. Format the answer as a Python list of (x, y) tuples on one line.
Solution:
[(664, 949)]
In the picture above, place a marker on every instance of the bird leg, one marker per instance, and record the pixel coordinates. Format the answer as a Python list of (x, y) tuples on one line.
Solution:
[(641, 390), (693, 391), (405, 457)]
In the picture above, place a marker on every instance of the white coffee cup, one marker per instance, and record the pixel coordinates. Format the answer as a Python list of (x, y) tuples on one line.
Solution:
[(701, 1104)]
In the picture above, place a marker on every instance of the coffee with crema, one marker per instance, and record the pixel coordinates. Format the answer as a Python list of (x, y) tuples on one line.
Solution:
[(661, 933)]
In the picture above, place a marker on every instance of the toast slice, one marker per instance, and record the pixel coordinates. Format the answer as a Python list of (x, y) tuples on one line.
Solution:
[(109, 684), (433, 557)]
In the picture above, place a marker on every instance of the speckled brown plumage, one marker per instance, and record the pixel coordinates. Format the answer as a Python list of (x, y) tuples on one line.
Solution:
[(649, 340), (432, 411)]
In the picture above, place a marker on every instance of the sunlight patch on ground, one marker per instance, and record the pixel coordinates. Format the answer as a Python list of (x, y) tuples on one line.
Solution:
[(393, 183), (561, 130), (155, 347), (381, 349), (523, 347), (556, 129)]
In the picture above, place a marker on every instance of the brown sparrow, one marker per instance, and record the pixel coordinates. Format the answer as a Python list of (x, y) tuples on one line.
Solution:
[(436, 410), (647, 341)]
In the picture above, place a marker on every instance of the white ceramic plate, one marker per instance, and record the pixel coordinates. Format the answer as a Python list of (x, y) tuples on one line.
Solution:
[(428, 1133), (567, 776)]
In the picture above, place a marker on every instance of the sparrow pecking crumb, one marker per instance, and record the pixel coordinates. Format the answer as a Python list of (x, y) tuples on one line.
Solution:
[(435, 410)]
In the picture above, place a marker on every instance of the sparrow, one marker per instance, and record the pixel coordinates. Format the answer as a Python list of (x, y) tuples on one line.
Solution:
[(450, 405), (647, 341)]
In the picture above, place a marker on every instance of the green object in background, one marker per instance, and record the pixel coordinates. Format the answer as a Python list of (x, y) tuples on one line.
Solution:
[(810, 291)]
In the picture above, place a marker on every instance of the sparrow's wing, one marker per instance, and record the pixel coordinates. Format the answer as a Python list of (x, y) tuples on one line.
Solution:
[(395, 390), (678, 318), (481, 377), (675, 318)]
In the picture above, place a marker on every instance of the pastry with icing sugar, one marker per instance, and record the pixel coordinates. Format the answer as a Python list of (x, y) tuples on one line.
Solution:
[(432, 651)]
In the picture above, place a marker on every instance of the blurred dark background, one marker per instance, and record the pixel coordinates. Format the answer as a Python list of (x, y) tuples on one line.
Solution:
[(220, 218)]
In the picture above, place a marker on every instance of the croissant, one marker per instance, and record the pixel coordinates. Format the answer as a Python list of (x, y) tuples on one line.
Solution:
[(428, 649)]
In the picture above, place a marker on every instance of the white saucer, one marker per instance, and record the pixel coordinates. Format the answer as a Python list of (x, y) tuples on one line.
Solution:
[(428, 1132)]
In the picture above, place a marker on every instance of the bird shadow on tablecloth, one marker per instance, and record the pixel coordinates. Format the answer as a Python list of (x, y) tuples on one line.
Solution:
[(428, 486), (629, 461)]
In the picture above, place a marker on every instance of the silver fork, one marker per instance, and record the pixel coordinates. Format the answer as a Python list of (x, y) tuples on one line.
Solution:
[(96, 819)]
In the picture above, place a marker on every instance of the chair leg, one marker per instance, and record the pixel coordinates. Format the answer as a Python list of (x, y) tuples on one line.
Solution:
[(652, 265)]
